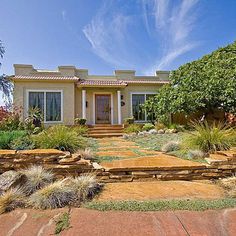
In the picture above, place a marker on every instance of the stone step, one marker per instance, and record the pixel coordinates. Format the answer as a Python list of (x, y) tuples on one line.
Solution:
[(104, 135), (104, 125), (104, 131)]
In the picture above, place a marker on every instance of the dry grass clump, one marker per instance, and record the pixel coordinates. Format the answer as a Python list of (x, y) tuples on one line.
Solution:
[(86, 186), (86, 154), (195, 154), (54, 195), (37, 178), (228, 183), (170, 146), (11, 199), (232, 193)]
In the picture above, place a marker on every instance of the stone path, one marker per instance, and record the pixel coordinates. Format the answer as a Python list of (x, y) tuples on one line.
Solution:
[(160, 190), (85, 222)]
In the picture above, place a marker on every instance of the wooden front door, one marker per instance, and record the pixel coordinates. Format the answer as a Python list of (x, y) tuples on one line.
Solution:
[(103, 109)]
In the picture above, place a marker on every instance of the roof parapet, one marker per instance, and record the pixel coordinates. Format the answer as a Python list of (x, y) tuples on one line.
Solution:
[(23, 69), (67, 70), (125, 74)]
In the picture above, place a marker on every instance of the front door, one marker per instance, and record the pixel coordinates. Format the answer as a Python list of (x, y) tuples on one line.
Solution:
[(102, 109)]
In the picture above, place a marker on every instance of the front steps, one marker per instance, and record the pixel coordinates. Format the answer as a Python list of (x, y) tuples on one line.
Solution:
[(105, 130)]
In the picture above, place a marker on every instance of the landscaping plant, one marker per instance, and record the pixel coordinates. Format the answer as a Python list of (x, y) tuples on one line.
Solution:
[(36, 178), (22, 143), (80, 121), (133, 128), (195, 154), (148, 127), (171, 146), (8, 137), (11, 199), (86, 154), (60, 137), (211, 138), (81, 130), (129, 121)]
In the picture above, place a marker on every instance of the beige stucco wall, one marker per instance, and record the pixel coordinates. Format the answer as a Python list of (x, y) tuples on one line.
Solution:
[(20, 94)]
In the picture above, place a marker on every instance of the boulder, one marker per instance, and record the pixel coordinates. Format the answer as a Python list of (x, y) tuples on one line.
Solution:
[(160, 131), (152, 131), (11, 179)]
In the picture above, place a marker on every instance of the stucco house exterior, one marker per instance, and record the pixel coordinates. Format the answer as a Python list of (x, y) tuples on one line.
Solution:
[(68, 93)]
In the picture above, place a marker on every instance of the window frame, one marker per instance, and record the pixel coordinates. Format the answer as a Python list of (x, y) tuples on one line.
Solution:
[(44, 105), (145, 98)]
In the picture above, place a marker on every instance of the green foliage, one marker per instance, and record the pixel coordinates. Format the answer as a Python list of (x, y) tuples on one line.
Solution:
[(211, 138), (81, 130), (35, 116), (22, 143), (148, 127), (7, 137), (133, 128), (203, 85), (60, 137), (80, 121), (129, 121), (195, 154), (159, 126), (11, 122), (62, 223), (162, 205)]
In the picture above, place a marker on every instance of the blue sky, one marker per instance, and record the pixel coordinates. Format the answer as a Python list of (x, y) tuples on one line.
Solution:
[(104, 35)]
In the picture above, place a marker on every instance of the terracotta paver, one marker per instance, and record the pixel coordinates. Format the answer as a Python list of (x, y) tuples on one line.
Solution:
[(116, 148), (160, 190), (151, 162), (84, 222)]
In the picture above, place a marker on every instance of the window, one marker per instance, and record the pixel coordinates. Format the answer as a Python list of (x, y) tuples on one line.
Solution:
[(49, 102), (138, 113)]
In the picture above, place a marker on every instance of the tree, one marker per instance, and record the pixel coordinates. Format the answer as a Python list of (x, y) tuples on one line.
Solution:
[(5, 84), (204, 85)]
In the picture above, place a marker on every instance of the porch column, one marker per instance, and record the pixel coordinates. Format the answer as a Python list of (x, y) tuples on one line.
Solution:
[(84, 104), (119, 107)]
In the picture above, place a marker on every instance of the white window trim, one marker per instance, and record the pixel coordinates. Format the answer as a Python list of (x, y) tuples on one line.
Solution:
[(112, 106), (44, 115), (131, 102)]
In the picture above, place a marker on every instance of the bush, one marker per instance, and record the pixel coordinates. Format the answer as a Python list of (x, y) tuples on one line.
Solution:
[(194, 154), (133, 128), (60, 137), (228, 183), (54, 195), (81, 129), (7, 137), (11, 199), (37, 178), (148, 127), (22, 143), (86, 154), (211, 138), (170, 146), (159, 126), (80, 121), (129, 121)]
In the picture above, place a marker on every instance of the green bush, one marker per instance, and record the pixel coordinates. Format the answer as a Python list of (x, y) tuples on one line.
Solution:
[(22, 143), (211, 138), (129, 120), (7, 137), (80, 121), (159, 126), (81, 130), (133, 128), (60, 137), (148, 127)]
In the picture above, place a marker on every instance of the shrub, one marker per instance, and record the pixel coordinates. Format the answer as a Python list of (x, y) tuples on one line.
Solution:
[(6, 137), (60, 137), (133, 128), (232, 193), (80, 121), (211, 138), (159, 126), (11, 199), (148, 127), (86, 186), (129, 121), (3, 113), (11, 122), (170, 146), (54, 195), (22, 143), (228, 183), (81, 129), (194, 154), (37, 178), (86, 154)]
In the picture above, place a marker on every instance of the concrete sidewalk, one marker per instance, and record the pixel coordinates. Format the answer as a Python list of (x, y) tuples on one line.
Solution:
[(86, 222)]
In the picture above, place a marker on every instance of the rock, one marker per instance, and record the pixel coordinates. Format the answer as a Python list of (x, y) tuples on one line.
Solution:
[(126, 136), (160, 131), (152, 131), (11, 179)]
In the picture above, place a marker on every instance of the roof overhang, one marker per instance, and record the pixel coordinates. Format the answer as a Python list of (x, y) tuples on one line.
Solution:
[(44, 78)]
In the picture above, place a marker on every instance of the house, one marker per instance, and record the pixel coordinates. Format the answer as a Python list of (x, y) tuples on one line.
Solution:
[(68, 92)]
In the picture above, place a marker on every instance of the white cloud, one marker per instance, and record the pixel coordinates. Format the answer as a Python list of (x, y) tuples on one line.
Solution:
[(174, 24), (107, 34)]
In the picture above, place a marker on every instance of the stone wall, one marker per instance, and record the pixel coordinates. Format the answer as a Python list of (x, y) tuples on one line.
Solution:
[(61, 163)]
